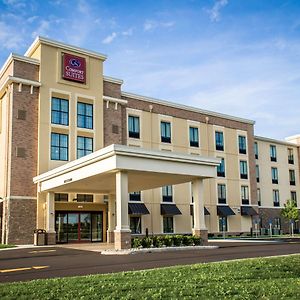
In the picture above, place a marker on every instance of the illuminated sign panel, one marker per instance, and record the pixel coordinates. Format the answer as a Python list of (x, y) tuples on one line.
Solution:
[(74, 68)]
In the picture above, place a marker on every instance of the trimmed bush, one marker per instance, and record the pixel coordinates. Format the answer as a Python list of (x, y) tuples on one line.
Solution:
[(165, 241)]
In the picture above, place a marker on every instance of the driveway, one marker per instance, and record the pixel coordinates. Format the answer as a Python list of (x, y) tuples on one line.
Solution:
[(49, 262)]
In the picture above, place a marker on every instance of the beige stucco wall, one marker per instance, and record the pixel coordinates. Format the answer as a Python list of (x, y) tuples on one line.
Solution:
[(53, 85), (265, 185), (150, 138)]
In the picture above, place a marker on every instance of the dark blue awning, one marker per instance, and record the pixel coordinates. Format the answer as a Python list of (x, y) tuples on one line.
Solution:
[(224, 211), (169, 209)]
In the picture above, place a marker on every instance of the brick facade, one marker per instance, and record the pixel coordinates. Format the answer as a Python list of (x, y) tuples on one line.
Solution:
[(21, 221), (20, 207)]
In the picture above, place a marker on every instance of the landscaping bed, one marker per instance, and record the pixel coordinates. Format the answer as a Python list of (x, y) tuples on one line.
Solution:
[(259, 278), (161, 241)]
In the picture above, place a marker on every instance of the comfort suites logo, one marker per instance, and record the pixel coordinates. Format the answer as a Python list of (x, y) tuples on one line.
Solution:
[(74, 68)]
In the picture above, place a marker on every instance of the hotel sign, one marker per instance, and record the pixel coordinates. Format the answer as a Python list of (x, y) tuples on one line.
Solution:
[(74, 68)]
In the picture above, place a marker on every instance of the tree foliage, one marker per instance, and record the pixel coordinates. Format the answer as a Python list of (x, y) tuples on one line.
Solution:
[(290, 210)]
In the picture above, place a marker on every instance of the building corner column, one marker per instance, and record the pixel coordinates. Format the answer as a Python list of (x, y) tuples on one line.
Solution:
[(199, 229), (50, 219), (122, 231), (111, 218)]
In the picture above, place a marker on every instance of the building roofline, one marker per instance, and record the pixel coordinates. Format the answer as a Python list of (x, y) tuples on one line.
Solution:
[(113, 80), (270, 140), (42, 40), (296, 136), (14, 56), (186, 107)]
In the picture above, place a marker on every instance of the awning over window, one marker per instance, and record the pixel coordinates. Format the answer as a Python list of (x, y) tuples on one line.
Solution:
[(206, 211), (224, 211), (137, 209), (248, 211), (169, 209)]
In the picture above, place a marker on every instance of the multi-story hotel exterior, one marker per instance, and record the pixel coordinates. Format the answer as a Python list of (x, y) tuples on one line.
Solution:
[(87, 161)]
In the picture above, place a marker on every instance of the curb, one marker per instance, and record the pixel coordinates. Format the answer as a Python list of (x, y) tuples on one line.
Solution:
[(155, 250)]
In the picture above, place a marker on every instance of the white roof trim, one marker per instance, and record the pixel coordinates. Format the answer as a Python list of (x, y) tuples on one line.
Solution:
[(296, 136), (274, 141), (126, 151), (113, 80), (14, 56), (186, 107), (115, 100), (42, 40), (12, 79)]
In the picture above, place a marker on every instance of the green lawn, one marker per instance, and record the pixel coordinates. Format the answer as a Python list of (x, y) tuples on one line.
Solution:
[(3, 246), (267, 278)]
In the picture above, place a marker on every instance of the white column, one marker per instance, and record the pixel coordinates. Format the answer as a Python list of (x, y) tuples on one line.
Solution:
[(111, 212), (122, 201), (198, 195), (50, 213)]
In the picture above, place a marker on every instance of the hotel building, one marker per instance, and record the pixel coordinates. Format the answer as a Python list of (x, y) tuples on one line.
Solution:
[(87, 161)]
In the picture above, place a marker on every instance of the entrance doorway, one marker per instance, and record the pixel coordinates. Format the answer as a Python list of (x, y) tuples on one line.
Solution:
[(74, 227)]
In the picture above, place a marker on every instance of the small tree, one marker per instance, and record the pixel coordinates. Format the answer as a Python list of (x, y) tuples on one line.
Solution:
[(290, 212)]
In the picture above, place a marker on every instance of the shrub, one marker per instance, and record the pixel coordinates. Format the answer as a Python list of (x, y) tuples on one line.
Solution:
[(136, 243), (146, 242), (165, 240)]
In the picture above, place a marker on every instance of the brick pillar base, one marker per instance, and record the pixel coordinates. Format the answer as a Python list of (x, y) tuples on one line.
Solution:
[(110, 236), (51, 238), (203, 233), (122, 239)]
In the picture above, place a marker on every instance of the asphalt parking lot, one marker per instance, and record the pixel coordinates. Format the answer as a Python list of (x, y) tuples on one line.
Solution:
[(49, 262)]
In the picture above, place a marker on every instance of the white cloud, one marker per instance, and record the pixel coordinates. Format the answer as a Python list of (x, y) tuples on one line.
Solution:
[(15, 3), (10, 37), (128, 32), (150, 25), (109, 38), (214, 12)]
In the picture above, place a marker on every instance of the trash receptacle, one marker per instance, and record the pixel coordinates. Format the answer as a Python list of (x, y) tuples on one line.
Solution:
[(39, 237)]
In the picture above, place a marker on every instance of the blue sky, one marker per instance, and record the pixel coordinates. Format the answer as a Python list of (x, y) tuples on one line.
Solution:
[(240, 57)]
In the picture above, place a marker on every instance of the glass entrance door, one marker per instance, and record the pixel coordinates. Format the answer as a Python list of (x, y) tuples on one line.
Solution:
[(84, 227), (74, 227)]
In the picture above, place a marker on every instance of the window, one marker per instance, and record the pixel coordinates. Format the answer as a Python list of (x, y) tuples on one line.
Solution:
[(168, 226), (59, 146), (60, 111), (61, 197), (276, 198), (274, 172), (194, 137), (221, 168), (292, 177), (222, 193), (290, 156), (256, 150), (257, 173), (273, 155), (84, 198), (167, 193), (277, 223), (84, 146), (165, 131), (245, 194), (134, 127), (135, 225), (223, 226), (243, 169), (242, 144), (294, 196), (135, 196), (258, 197), (84, 115), (219, 140)]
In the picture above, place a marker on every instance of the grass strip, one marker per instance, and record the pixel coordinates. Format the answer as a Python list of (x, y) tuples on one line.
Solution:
[(260, 278)]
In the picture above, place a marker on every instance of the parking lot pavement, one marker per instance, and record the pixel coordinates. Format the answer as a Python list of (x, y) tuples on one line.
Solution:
[(49, 262)]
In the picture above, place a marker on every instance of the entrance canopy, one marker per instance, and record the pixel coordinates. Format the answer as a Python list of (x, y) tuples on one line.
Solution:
[(146, 169)]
